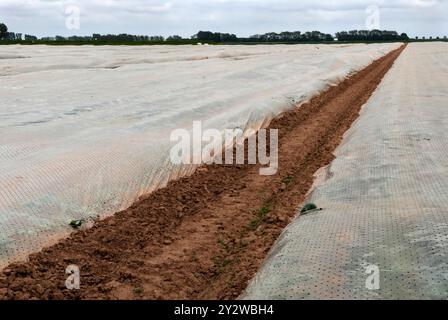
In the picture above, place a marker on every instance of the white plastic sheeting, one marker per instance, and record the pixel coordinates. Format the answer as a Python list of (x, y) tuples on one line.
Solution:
[(383, 233), (85, 131)]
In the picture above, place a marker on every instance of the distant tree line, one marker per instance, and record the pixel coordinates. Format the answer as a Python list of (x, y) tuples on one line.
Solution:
[(296, 36), (215, 37), (309, 36), (3, 30), (126, 38), (371, 35), (208, 36), (5, 35)]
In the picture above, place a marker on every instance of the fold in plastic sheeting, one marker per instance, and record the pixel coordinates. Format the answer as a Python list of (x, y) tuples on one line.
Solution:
[(85, 130), (383, 233)]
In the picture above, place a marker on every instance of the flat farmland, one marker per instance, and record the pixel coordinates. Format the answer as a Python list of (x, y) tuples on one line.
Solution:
[(85, 130), (365, 141)]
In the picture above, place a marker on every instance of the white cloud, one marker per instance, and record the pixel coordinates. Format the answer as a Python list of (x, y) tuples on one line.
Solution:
[(244, 17)]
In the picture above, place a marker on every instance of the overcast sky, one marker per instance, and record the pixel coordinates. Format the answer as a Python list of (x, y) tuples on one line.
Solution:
[(242, 17)]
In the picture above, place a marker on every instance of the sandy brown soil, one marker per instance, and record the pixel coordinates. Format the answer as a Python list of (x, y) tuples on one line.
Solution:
[(202, 237)]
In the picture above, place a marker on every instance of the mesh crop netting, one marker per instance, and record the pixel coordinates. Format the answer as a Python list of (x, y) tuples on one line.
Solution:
[(85, 130), (383, 231)]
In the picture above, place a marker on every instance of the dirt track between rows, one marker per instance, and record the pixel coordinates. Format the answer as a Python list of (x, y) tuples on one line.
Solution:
[(202, 237)]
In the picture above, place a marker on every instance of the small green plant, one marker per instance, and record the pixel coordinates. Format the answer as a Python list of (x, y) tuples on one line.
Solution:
[(309, 208), (223, 243), (231, 283), (288, 180), (264, 212), (260, 216), (226, 262), (138, 290), (76, 224), (220, 263)]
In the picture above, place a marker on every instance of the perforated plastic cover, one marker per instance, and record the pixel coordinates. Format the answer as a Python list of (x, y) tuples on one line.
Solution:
[(85, 130), (383, 233)]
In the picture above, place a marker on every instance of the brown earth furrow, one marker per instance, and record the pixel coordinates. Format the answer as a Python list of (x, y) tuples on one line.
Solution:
[(202, 237)]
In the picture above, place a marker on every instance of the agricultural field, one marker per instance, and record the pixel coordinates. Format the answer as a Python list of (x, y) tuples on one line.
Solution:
[(89, 179), (86, 131), (384, 199)]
